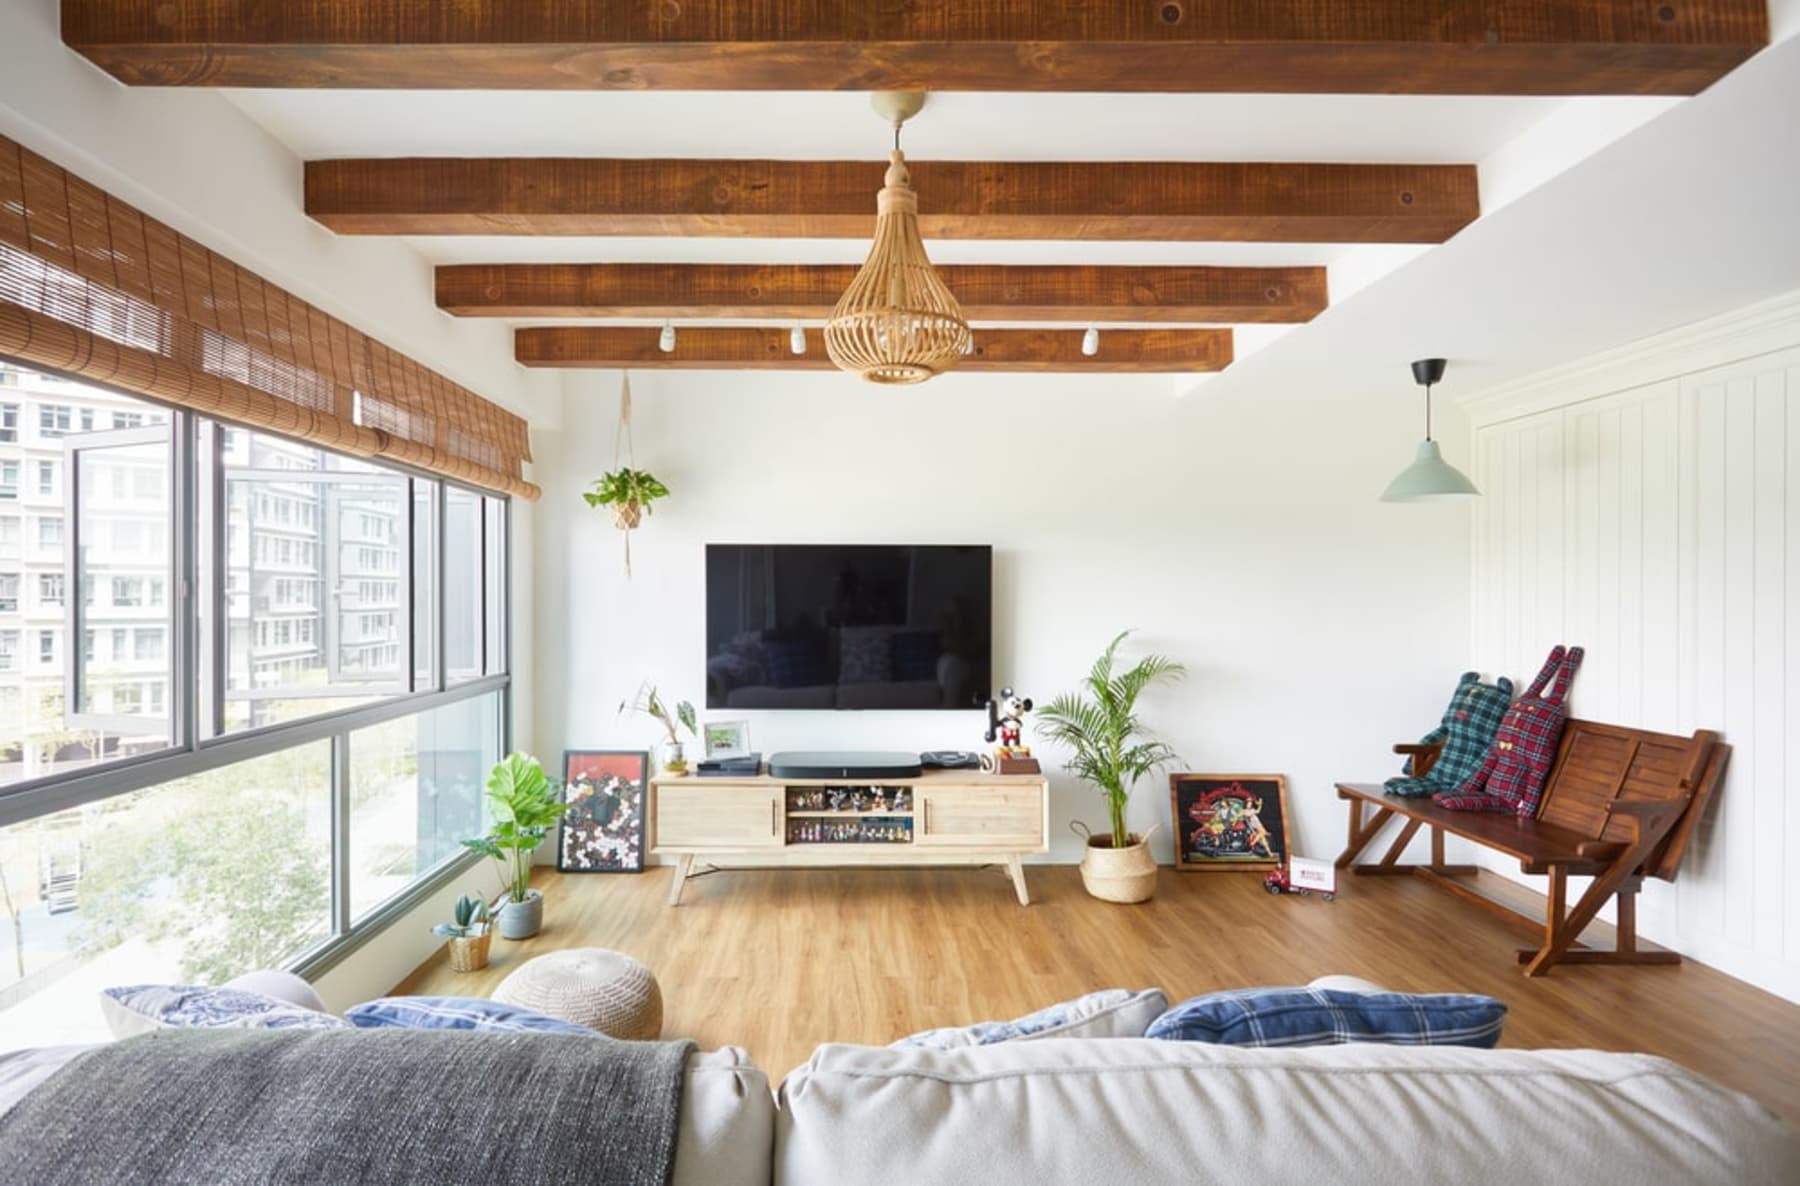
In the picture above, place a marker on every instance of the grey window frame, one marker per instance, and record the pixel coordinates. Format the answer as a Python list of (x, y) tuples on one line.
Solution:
[(195, 646)]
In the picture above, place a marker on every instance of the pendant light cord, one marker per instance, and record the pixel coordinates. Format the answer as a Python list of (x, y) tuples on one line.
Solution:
[(1428, 411)]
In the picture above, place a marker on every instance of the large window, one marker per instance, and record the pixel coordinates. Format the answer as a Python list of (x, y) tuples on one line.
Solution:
[(416, 787), (193, 880), (317, 549), (270, 678)]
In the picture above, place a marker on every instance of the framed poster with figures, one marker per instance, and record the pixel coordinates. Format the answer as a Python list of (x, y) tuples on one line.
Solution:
[(603, 829), (1229, 821)]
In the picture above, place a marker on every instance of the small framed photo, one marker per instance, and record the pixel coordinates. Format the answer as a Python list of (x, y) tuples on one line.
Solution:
[(726, 739), (603, 829), (1229, 821)]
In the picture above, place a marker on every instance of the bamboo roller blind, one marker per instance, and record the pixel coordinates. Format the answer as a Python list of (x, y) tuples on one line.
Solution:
[(93, 287)]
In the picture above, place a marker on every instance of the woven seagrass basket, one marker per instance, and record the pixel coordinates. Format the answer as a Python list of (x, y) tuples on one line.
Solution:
[(470, 955), (1119, 874)]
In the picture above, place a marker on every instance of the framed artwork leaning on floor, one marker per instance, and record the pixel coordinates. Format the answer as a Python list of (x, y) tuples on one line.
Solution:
[(1229, 821), (603, 829)]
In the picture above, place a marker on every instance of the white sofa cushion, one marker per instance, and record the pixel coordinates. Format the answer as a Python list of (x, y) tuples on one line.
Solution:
[(1138, 1110), (1109, 1013)]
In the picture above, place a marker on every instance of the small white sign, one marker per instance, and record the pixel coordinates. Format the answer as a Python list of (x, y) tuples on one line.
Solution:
[(1308, 873)]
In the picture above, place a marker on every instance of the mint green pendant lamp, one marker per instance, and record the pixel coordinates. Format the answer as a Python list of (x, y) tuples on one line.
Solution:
[(1429, 476)]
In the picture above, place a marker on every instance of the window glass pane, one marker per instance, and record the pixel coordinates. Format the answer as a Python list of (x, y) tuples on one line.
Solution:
[(463, 585), (424, 584), (496, 585), (416, 787), (123, 708), (124, 568), (315, 581), (195, 880)]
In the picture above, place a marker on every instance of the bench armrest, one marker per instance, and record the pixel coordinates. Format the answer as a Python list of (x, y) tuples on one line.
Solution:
[(1424, 756), (1645, 816)]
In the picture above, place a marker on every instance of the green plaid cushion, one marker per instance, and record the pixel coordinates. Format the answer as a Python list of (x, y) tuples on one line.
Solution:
[(1467, 732)]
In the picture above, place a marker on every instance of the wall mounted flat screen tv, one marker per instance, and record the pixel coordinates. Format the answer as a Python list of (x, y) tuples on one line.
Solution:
[(848, 626)]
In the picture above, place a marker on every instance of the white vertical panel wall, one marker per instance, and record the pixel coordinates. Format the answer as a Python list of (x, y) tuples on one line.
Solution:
[(1647, 506)]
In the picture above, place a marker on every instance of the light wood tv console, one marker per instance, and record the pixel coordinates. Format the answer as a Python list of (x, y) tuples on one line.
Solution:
[(955, 817)]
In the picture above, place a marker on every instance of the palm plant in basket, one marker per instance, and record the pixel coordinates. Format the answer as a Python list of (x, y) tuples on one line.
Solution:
[(1110, 748)]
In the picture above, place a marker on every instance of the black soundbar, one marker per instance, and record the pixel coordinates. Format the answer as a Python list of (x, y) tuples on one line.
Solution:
[(854, 765)]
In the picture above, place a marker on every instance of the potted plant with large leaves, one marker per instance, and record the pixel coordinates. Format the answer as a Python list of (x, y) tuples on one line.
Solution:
[(1110, 748), (525, 807)]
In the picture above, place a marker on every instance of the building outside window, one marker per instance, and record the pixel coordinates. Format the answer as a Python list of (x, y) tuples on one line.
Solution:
[(54, 420), (324, 575)]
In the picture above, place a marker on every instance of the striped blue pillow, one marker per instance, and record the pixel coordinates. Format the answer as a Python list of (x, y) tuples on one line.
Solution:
[(456, 1013), (1325, 1017)]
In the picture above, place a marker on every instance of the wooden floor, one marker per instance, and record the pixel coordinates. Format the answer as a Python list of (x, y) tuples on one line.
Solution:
[(778, 961)]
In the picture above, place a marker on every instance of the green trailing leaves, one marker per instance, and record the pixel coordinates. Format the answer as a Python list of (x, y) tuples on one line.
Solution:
[(1108, 745), (626, 485)]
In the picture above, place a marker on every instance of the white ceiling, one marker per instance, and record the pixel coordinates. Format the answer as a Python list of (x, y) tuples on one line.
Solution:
[(830, 125), (1677, 247)]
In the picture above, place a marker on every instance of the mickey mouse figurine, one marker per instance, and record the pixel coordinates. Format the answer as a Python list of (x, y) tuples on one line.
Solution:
[(1006, 722)]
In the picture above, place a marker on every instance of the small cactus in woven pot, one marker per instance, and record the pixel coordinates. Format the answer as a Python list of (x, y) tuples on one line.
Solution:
[(470, 934)]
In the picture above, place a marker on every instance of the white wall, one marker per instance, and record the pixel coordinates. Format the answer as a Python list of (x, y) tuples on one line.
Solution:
[(1242, 535), (1647, 506)]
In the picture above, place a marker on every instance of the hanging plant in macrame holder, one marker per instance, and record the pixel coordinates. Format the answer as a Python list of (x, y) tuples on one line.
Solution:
[(627, 490)]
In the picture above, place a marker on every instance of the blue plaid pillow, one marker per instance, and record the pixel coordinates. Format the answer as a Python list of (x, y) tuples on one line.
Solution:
[(456, 1013), (139, 1008), (1325, 1017)]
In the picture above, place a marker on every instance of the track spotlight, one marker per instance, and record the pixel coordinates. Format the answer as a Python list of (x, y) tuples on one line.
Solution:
[(666, 341), (1090, 342), (797, 340)]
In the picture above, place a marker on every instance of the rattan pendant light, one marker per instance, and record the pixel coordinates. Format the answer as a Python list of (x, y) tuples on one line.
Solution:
[(897, 323)]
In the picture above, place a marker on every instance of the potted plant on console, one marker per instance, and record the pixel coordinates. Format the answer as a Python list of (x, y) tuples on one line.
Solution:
[(524, 806), (674, 756), (1111, 750)]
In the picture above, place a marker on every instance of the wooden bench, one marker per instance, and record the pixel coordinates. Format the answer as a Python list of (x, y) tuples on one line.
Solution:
[(1619, 805)]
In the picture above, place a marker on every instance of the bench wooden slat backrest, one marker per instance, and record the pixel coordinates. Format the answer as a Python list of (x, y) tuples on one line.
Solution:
[(1597, 764)]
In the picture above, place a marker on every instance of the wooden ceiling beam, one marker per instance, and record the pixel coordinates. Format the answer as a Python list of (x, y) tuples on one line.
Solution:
[(1514, 47), (756, 349), (1144, 200), (1080, 293)]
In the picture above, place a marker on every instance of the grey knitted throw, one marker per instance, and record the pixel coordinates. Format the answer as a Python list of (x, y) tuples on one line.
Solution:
[(383, 1105)]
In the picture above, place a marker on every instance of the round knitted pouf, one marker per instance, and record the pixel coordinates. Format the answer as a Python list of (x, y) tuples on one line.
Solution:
[(603, 990)]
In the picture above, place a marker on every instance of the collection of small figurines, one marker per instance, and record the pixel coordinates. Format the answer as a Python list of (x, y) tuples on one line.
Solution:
[(815, 831), (851, 799)]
